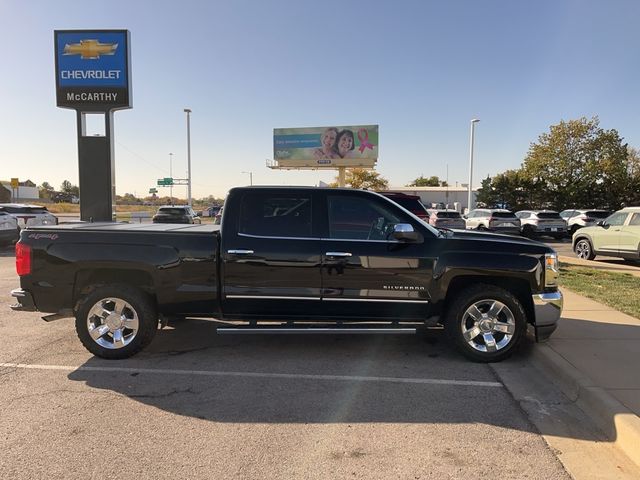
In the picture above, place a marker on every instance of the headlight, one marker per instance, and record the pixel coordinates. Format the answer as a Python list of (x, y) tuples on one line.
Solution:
[(551, 270)]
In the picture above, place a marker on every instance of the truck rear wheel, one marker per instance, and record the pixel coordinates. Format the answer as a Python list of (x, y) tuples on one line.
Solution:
[(116, 321), (485, 323)]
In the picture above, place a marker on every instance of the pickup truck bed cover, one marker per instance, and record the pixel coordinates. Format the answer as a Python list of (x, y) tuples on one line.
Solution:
[(133, 227)]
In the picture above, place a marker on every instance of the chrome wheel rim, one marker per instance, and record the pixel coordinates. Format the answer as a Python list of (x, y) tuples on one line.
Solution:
[(583, 249), (488, 326), (112, 323)]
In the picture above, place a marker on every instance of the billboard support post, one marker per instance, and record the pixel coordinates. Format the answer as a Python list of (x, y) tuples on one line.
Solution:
[(341, 176)]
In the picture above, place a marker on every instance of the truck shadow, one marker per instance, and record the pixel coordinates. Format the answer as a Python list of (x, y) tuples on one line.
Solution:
[(327, 379), (337, 379)]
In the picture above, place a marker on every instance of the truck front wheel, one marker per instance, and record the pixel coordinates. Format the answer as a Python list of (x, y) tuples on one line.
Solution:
[(486, 323), (116, 321)]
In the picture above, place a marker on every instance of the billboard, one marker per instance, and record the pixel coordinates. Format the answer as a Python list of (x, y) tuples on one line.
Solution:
[(92, 69), (328, 147)]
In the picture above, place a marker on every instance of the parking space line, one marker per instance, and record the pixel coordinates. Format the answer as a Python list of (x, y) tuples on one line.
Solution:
[(292, 376)]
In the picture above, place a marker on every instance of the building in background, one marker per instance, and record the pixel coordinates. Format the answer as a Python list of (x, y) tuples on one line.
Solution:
[(27, 191), (443, 197)]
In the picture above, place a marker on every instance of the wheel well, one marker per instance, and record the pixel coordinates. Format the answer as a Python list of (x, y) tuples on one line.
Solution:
[(578, 238), (518, 287), (88, 280)]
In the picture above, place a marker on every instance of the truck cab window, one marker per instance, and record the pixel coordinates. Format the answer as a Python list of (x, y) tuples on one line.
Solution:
[(275, 215), (357, 218)]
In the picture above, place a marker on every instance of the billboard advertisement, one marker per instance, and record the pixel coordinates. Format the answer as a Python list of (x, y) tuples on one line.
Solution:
[(92, 69), (330, 147)]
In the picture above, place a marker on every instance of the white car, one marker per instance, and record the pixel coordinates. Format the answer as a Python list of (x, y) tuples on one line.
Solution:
[(29, 215), (9, 231)]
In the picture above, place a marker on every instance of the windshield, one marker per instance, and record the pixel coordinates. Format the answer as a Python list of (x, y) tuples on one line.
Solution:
[(414, 216), (448, 214), (597, 214), (25, 210), (502, 215), (554, 215), (411, 204), (172, 211)]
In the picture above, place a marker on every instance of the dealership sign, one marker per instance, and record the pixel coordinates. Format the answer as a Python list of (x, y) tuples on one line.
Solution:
[(328, 147), (93, 69)]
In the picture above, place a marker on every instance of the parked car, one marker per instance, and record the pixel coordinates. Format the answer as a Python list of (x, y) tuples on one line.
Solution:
[(293, 260), (582, 218), (616, 236), (446, 219), (410, 202), (209, 211), (493, 219), (29, 215), (9, 231), (176, 214), (535, 223)]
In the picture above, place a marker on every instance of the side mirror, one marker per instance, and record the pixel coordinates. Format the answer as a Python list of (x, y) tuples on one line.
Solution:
[(405, 231), (601, 223)]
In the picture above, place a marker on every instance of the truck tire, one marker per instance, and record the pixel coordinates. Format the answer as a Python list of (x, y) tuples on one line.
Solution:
[(116, 321), (583, 249), (485, 323)]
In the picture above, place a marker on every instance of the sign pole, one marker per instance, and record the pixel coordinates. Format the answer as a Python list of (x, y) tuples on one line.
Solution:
[(93, 77)]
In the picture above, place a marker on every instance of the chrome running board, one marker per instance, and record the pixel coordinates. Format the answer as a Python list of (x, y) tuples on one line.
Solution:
[(322, 330)]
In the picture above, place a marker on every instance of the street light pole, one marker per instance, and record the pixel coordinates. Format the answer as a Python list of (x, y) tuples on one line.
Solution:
[(470, 186), (250, 177), (188, 112), (171, 175)]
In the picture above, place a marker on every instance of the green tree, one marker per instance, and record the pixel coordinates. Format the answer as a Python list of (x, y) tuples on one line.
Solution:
[(363, 178), (432, 181), (633, 172), (45, 190), (68, 187), (577, 164)]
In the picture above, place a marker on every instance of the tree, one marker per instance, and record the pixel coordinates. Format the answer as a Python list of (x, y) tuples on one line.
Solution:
[(428, 182), (68, 187), (45, 190), (578, 164), (633, 171), (363, 178)]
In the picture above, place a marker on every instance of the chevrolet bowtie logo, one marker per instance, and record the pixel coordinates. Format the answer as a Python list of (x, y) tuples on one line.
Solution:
[(90, 49)]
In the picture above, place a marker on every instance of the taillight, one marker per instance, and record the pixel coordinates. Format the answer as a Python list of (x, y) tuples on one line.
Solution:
[(23, 259)]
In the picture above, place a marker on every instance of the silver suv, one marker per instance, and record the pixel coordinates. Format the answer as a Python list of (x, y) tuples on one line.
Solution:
[(29, 215), (583, 218), (494, 219), (542, 222)]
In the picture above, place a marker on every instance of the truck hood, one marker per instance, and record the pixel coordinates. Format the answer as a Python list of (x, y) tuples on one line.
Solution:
[(495, 242)]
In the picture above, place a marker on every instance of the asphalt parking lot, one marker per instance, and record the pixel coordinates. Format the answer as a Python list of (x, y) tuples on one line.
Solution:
[(199, 405)]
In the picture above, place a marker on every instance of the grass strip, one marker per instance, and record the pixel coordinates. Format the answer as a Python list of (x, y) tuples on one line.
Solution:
[(618, 290)]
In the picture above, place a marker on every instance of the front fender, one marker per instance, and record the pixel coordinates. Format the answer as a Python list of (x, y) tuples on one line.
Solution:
[(493, 266)]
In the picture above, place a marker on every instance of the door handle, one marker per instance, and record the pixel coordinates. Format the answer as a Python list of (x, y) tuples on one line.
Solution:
[(338, 254), (240, 252)]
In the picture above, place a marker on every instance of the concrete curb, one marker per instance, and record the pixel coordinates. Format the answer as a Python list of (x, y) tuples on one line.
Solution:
[(617, 422)]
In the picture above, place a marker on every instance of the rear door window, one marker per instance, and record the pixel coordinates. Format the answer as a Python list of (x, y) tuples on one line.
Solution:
[(635, 219), (276, 215)]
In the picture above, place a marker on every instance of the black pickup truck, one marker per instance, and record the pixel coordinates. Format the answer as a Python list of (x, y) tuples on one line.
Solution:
[(291, 260)]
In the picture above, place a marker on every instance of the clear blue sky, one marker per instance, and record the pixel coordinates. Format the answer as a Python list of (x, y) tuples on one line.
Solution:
[(419, 69)]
